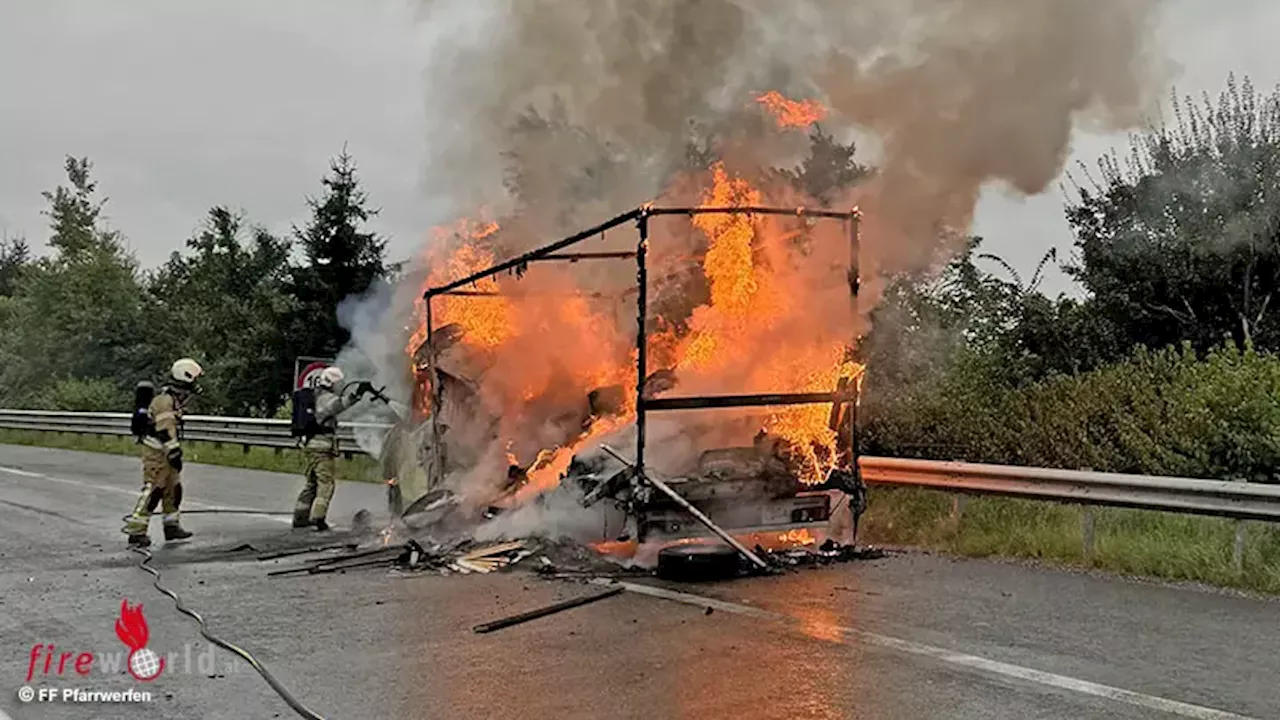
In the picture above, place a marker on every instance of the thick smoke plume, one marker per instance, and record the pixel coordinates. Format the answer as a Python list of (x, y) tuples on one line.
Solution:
[(553, 115), (958, 93)]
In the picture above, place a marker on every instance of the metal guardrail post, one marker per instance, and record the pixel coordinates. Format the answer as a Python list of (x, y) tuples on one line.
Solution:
[(1237, 545), (1237, 548), (1086, 530)]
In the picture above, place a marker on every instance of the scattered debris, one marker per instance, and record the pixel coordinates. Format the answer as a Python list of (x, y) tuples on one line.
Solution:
[(488, 559), (544, 611), (350, 547), (826, 554), (562, 559), (368, 558), (412, 555)]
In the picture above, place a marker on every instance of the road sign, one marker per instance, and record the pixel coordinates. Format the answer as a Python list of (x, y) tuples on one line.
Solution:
[(308, 374)]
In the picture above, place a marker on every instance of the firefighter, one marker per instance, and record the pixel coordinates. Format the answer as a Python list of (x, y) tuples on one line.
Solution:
[(162, 457), (320, 448)]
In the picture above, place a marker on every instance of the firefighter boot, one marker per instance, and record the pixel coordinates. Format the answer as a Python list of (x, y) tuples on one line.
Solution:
[(174, 532), (302, 518), (139, 540), (320, 525)]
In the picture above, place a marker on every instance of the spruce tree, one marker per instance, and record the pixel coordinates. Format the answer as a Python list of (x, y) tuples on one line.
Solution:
[(341, 258)]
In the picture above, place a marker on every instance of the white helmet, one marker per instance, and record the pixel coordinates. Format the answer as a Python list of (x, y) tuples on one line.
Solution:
[(330, 377), (185, 372)]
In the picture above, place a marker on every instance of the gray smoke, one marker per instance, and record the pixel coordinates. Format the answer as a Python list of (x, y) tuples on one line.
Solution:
[(957, 94)]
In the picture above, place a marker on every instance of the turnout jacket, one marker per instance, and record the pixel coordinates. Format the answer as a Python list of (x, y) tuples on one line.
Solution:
[(166, 419), (329, 405)]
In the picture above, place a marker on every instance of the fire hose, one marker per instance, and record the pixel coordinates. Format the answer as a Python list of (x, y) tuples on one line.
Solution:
[(245, 655)]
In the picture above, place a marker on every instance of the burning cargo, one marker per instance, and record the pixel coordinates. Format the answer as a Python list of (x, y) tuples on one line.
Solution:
[(801, 462)]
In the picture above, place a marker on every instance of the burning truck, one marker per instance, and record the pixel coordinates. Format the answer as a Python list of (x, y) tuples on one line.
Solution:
[(689, 366), (527, 379)]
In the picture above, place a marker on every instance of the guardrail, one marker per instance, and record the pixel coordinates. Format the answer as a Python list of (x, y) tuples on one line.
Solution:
[(1239, 500), (1218, 498), (248, 432)]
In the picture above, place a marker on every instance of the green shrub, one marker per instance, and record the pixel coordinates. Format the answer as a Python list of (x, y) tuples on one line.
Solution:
[(85, 395), (1162, 412)]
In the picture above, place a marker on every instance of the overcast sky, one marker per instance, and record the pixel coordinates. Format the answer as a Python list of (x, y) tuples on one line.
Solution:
[(184, 104)]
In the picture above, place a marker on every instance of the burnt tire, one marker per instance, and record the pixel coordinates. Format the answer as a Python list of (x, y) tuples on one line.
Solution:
[(698, 563)]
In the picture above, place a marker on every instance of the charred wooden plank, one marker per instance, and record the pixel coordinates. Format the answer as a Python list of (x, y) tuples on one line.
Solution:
[(545, 611)]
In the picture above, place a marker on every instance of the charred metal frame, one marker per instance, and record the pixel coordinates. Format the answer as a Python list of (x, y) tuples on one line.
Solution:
[(845, 395)]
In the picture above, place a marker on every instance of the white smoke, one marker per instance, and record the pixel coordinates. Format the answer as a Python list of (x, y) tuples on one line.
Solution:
[(371, 354)]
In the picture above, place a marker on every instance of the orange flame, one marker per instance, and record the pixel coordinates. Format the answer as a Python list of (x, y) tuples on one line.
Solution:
[(789, 113), (753, 330), (483, 323), (747, 301), (799, 536)]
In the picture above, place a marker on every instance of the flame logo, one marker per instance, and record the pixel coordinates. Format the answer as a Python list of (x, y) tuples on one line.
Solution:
[(131, 627)]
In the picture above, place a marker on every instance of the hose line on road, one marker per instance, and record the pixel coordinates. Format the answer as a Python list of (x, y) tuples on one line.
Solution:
[(281, 690), (227, 511), (235, 511)]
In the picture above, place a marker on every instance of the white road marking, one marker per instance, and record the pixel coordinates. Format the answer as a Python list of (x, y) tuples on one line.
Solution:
[(995, 667), (123, 491), (79, 483)]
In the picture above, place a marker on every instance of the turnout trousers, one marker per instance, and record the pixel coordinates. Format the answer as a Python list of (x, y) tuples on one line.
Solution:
[(317, 492), (161, 486)]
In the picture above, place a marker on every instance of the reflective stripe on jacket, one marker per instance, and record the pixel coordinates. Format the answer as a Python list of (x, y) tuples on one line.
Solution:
[(166, 417), (329, 405)]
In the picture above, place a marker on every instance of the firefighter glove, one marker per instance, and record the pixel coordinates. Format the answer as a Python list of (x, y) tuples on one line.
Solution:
[(175, 459)]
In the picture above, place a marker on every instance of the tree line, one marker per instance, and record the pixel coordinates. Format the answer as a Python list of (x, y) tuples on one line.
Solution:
[(1165, 364), (82, 325)]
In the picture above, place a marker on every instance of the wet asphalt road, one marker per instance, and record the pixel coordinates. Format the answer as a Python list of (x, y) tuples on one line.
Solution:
[(908, 636)]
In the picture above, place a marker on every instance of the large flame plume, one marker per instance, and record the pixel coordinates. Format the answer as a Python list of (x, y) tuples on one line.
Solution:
[(557, 114)]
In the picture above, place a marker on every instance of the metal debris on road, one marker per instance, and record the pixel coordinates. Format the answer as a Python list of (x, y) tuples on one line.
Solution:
[(412, 555), (544, 611), (350, 547), (368, 558), (828, 553)]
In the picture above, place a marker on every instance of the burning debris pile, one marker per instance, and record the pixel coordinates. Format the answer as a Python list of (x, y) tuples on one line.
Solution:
[(566, 560)]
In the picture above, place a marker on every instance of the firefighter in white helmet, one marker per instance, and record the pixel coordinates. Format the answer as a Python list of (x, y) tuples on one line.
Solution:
[(162, 456), (320, 447)]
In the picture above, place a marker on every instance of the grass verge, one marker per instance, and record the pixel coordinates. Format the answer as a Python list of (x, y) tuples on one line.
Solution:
[(1134, 542), (285, 460)]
